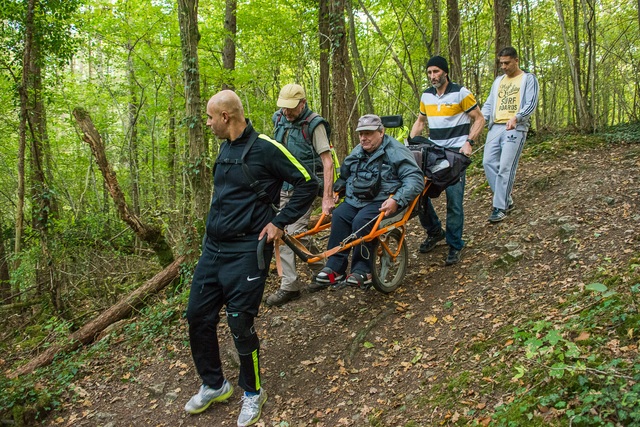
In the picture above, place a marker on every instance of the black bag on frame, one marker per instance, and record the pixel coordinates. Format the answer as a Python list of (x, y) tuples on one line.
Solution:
[(442, 166)]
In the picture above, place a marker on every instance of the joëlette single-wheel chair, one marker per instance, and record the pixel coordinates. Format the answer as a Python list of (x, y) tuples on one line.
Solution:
[(390, 256)]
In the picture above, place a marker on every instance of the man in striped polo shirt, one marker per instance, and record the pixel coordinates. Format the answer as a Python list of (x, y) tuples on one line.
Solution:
[(455, 122)]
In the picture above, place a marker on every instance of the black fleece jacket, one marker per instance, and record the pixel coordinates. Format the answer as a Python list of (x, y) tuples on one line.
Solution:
[(237, 216)]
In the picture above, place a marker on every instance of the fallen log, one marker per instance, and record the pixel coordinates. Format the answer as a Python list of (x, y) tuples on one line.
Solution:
[(91, 330)]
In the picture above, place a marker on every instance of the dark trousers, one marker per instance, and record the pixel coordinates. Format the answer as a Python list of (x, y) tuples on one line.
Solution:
[(455, 215), (234, 280), (345, 220)]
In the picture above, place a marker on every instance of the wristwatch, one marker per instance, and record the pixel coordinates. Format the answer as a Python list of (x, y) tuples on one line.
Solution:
[(471, 142)]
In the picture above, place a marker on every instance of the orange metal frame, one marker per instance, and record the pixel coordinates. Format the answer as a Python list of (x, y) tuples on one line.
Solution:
[(377, 231)]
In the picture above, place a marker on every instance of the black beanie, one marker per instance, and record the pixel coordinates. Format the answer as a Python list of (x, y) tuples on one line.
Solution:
[(439, 62)]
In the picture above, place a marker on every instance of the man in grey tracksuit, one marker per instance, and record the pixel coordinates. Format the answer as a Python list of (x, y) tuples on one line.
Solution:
[(512, 101)]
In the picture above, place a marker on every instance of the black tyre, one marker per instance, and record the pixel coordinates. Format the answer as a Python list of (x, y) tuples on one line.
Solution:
[(388, 273)]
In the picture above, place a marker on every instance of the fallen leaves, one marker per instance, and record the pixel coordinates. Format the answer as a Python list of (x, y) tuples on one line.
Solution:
[(316, 360), (401, 306), (583, 336), (432, 320)]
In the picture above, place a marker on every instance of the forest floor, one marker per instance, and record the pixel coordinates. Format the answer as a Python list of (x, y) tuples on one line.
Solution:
[(360, 358)]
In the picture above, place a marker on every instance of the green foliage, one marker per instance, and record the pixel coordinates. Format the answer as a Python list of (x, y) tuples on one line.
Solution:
[(560, 143), (552, 145), (31, 396), (623, 133), (567, 370), (53, 25), (580, 369)]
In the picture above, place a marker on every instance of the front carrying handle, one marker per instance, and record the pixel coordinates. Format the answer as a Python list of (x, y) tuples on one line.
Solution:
[(260, 252), (297, 247)]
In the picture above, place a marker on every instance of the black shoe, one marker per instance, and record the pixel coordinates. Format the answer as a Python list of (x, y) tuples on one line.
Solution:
[(511, 207), (281, 297), (497, 215), (431, 241), (453, 257)]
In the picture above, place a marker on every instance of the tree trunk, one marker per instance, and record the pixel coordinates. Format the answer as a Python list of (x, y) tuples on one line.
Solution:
[(19, 228), (150, 234), (340, 111), (589, 12), (33, 120), (90, 331), (352, 101), (577, 51), (581, 110), (32, 110), (171, 155), (324, 41), (453, 33), (502, 24), (199, 173), (345, 108), (229, 50), (5, 278), (534, 62), (434, 45), (355, 54), (43, 197), (133, 133)]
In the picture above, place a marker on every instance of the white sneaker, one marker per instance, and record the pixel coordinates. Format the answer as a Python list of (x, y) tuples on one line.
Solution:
[(206, 396), (251, 408)]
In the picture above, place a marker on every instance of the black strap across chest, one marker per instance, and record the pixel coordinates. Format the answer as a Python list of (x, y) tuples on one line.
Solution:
[(255, 185)]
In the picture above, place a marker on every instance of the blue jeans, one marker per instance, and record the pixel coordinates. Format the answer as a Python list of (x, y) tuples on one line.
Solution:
[(455, 215), (345, 220)]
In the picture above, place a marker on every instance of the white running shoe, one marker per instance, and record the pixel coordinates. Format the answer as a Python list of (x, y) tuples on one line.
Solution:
[(251, 408), (206, 396)]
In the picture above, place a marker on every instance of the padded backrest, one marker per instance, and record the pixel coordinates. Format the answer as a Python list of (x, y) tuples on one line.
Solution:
[(392, 121)]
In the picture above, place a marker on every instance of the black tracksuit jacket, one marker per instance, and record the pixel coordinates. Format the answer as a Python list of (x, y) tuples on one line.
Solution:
[(237, 216)]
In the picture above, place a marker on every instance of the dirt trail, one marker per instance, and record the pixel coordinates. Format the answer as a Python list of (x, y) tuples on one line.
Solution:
[(571, 214)]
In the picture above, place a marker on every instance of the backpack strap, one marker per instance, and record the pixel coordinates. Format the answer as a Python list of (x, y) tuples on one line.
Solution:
[(278, 117), (225, 161), (305, 127), (309, 135), (306, 123), (255, 185)]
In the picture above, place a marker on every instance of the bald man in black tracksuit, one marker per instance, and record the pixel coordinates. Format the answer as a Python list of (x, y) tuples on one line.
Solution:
[(227, 272)]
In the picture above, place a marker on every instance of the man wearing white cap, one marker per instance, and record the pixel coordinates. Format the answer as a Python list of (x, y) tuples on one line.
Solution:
[(306, 135)]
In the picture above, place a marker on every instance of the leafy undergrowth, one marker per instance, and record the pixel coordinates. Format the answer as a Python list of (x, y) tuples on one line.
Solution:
[(538, 325), (575, 365), (28, 399)]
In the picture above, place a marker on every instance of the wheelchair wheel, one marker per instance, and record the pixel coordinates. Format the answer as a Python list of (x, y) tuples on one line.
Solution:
[(388, 271)]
